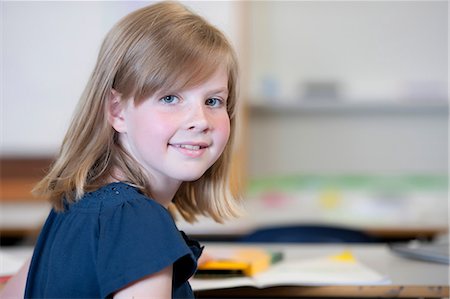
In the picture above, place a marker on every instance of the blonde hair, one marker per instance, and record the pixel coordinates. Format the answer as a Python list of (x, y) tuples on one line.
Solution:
[(158, 47)]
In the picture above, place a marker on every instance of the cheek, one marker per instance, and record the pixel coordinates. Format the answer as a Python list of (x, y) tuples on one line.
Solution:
[(159, 124), (149, 133), (223, 129)]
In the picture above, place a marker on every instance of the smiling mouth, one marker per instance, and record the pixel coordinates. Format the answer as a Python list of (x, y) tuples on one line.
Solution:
[(189, 146)]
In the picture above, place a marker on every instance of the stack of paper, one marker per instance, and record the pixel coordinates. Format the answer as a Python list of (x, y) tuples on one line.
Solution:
[(341, 269)]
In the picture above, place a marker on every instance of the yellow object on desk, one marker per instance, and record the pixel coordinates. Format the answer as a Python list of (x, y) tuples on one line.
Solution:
[(239, 262), (345, 256)]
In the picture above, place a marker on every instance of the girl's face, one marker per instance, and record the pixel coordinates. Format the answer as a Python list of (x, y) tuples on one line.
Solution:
[(177, 135)]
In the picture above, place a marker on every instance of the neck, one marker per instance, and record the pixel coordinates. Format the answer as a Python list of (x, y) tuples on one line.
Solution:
[(164, 192)]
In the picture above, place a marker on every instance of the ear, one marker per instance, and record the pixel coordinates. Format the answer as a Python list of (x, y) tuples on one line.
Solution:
[(116, 115)]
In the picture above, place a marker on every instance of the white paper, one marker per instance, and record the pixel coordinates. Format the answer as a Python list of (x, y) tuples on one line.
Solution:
[(9, 264), (313, 272)]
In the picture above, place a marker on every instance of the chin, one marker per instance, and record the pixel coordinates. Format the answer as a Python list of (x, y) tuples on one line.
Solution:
[(190, 177)]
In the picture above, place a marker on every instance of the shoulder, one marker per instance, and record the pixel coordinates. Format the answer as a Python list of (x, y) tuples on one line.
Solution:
[(127, 201), (119, 207), (123, 207), (114, 195)]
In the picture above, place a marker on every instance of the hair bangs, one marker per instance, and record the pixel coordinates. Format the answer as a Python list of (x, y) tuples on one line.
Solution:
[(182, 63)]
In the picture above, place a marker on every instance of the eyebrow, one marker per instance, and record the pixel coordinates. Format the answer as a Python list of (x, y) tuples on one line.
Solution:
[(219, 90)]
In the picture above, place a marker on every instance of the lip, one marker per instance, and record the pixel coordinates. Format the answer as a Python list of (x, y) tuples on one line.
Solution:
[(200, 144), (190, 149)]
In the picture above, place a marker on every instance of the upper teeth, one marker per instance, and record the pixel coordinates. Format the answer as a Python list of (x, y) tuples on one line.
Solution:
[(191, 147)]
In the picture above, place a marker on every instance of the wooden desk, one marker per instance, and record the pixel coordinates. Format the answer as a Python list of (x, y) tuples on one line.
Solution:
[(408, 278)]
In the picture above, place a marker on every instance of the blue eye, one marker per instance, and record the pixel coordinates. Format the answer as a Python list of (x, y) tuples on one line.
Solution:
[(214, 102), (171, 99)]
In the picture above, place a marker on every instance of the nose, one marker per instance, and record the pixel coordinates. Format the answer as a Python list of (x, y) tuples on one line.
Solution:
[(197, 118)]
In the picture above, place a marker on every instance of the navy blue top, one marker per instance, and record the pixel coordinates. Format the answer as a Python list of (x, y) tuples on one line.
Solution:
[(110, 238)]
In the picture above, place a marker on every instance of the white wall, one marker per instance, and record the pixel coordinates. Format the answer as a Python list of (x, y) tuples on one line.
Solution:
[(361, 142), (48, 51), (374, 50), (389, 55)]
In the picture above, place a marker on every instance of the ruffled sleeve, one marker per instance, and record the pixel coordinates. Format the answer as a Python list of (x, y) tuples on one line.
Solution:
[(137, 238)]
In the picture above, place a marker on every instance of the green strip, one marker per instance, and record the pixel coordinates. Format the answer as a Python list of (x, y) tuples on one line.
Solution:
[(364, 183)]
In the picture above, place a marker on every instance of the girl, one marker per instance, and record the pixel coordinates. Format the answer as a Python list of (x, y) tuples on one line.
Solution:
[(150, 134)]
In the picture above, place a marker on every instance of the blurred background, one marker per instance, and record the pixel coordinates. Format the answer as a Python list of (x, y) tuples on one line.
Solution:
[(344, 110)]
